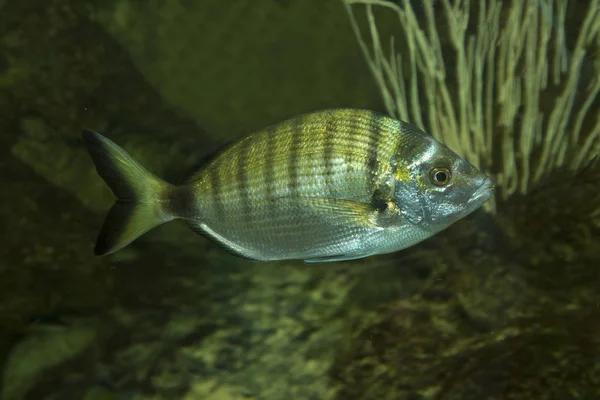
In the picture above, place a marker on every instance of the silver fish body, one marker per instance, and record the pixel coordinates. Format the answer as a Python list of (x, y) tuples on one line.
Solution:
[(325, 186)]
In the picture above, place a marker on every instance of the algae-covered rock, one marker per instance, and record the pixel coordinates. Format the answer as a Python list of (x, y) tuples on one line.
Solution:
[(278, 337), (66, 163), (62, 74), (491, 323), (46, 261), (39, 353), (99, 393), (193, 321), (509, 311), (421, 350), (240, 65), (557, 357), (483, 312)]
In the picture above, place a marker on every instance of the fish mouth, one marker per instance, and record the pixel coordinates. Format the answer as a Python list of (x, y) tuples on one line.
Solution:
[(484, 191)]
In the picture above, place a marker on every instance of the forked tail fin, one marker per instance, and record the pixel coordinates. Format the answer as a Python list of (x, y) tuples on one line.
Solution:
[(140, 194)]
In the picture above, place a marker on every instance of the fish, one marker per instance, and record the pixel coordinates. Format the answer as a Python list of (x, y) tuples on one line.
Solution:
[(324, 186)]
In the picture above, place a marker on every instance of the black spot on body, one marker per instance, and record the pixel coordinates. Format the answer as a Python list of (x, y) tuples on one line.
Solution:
[(380, 201)]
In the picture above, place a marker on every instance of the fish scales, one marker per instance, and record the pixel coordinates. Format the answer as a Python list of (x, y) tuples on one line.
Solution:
[(279, 148), (326, 154), (316, 155), (325, 186)]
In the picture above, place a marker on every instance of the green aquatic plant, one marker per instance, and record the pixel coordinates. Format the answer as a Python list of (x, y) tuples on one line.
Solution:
[(508, 307), (505, 84)]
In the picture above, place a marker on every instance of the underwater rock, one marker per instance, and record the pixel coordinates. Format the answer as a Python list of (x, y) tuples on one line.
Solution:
[(255, 331), (422, 350), (503, 314), (553, 358), (60, 162), (65, 163), (492, 292), (45, 263), (53, 94), (99, 393), (241, 65), (278, 337), (40, 352), (212, 389)]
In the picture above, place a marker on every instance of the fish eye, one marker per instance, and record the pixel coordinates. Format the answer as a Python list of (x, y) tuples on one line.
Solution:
[(440, 176)]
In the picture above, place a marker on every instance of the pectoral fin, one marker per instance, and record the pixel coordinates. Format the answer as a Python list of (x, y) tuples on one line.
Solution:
[(346, 211), (376, 214)]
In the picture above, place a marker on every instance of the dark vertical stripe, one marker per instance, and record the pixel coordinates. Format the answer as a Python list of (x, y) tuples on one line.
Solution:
[(329, 150), (294, 155), (269, 171), (242, 176), (216, 191), (375, 139)]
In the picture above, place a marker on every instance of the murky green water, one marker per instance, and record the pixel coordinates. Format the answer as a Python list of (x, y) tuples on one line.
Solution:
[(503, 305)]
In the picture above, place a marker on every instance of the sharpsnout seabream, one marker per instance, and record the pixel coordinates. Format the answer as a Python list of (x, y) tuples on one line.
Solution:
[(330, 185)]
